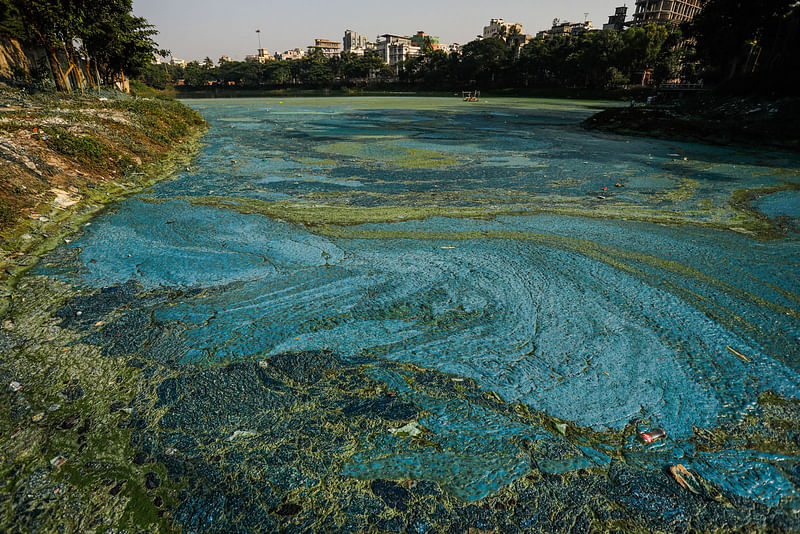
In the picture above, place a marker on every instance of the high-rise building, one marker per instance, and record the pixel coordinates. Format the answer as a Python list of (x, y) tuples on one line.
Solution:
[(396, 48), (617, 20), (665, 11), (354, 42)]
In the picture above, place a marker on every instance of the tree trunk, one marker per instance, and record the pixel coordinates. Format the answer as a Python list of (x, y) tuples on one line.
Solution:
[(58, 72), (55, 65), (89, 76), (69, 52)]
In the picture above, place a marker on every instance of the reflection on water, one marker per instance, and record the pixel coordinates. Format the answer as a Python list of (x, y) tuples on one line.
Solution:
[(590, 278)]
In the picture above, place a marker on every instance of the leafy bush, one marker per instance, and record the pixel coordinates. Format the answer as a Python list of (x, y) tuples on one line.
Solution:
[(7, 215), (84, 149)]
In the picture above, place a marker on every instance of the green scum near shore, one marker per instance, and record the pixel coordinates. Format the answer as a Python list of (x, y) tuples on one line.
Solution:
[(415, 315)]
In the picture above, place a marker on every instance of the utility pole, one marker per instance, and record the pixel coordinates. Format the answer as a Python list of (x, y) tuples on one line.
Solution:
[(258, 32)]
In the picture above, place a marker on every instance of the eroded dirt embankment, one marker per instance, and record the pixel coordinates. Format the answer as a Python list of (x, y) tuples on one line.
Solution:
[(63, 158)]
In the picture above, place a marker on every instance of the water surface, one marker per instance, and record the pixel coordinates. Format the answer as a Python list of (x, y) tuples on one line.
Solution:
[(592, 278)]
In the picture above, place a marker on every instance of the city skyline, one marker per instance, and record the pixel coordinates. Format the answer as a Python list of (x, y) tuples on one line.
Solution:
[(195, 29)]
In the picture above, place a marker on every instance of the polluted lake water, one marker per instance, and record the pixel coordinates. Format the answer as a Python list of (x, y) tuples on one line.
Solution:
[(419, 314)]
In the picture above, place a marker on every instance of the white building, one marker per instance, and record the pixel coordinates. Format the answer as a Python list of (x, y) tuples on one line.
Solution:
[(296, 53), (327, 47), (498, 27), (396, 48), (175, 62), (354, 42), (262, 57)]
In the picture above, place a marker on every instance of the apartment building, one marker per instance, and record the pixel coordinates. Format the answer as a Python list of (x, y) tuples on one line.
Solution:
[(617, 20), (295, 53), (328, 48), (665, 11), (499, 27), (354, 41), (262, 56), (396, 48), (420, 38), (567, 28)]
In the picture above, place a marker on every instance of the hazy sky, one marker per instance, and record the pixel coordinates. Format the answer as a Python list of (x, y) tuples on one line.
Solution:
[(194, 29)]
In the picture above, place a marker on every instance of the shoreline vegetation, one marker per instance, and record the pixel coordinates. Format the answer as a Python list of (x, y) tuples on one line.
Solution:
[(64, 159)]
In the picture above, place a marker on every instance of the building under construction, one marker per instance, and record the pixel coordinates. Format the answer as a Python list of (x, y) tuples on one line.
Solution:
[(665, 11)]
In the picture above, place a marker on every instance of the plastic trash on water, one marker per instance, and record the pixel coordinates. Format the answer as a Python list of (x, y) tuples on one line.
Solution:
[(738, 354), (685, 479), (241, 434), (412, 429), (15, 386), (653, 435), (57, 461), (38, 417), (696, 484)]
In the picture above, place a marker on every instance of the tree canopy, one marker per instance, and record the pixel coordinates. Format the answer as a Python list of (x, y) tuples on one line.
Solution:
[(84, 37), (739, 38)]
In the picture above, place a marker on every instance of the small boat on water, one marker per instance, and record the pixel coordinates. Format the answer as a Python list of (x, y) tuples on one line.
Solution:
[(470, 96)]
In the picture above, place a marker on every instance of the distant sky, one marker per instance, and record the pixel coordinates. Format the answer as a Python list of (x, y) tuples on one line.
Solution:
[(194, 29)]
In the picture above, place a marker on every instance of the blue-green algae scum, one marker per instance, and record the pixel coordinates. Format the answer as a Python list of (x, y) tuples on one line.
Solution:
[(418, 314)]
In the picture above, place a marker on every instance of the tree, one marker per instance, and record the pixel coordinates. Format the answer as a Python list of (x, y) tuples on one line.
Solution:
[(484, 62), (46, 20), (100, 32), (735, 37), (315, 69)]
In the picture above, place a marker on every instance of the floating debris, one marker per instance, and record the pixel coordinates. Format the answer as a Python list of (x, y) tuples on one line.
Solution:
[(412, 430), (653, 435), (738, 354), (57, 461), (696, 484), (241, 434), (15, 386), (684, 478)]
